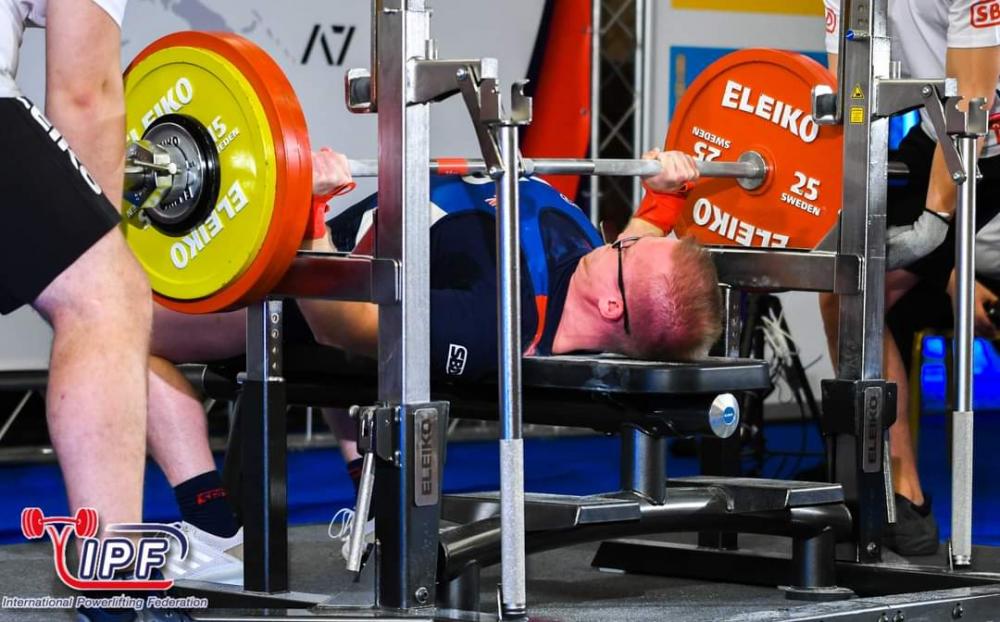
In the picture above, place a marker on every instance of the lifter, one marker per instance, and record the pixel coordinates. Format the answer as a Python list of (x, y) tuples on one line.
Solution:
[(645, 298)]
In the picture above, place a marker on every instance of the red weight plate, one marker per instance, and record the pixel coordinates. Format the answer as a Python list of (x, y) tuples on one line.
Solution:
[(760, 100), (294, 165)]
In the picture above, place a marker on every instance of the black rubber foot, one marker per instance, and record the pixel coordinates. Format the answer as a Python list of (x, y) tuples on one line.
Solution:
[(816, 594)]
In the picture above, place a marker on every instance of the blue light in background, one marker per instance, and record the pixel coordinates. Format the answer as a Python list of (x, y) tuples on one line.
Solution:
[(933, 347), (899, 125), (934, 378)]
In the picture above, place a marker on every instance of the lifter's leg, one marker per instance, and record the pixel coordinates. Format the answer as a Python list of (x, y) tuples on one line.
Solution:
[(100, 310), (183, 338)]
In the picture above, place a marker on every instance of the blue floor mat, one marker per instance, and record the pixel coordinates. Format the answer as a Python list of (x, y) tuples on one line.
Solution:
[(318, 484)]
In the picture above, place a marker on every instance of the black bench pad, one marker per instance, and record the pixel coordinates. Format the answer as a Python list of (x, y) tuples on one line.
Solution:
[(602, 392), (609, 373)]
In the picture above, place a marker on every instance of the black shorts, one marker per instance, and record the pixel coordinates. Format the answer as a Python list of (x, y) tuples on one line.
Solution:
[(52, 210), (906, 202)]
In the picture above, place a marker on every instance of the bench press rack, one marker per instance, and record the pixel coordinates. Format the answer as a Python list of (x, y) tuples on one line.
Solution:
[(413, 571), (859, 406)]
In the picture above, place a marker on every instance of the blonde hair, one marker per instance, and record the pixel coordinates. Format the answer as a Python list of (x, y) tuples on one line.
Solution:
[(675, 306)]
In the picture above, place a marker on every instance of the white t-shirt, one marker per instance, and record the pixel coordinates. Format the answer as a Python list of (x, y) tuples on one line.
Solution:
[(923, 30), (988, 250), (15, 15)]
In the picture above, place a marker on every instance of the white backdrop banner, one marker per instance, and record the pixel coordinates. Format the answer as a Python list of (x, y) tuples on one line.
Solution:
[(315, 42)]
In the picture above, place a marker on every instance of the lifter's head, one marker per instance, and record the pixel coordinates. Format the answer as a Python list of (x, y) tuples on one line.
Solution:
[(671, 309)]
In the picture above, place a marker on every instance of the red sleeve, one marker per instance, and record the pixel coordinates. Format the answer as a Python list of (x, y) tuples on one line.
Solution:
[(662, 209)]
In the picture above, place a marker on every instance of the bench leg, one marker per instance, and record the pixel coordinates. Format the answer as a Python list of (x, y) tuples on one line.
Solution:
[(462, 592), (644, 464), (719, 456), (814, 568)]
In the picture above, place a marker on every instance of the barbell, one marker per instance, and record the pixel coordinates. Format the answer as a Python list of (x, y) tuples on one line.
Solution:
[(218, 166), (749, 169)]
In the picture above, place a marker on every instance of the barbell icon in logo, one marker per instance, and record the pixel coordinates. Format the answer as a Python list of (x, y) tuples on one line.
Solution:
[(33, 522)]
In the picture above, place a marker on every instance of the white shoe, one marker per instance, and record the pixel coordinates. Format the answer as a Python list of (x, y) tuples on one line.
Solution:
[(345, 516), (209, 558)]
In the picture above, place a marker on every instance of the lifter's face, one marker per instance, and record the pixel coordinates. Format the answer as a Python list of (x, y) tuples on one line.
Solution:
[(598, 271)]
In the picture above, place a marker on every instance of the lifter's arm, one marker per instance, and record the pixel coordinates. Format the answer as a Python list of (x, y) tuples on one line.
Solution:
[(350, 326), (83, 88), (654, 218)]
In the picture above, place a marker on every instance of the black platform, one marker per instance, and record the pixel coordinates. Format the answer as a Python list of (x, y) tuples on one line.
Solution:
[(563, 587)]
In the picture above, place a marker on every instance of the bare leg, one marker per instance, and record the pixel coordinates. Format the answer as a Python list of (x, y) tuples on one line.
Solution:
[(829, 309), (905, 479), (346, 431), (100, 310), (178, 432), (182, 338)]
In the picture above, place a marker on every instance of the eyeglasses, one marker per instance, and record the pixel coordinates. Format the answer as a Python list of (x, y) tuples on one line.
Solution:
[(621, 245)]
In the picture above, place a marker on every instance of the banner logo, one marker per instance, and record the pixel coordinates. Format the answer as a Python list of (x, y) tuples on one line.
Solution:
[(101, 560)]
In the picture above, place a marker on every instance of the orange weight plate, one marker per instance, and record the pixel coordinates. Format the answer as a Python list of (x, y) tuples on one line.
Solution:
[(287, 174), (760, 100)]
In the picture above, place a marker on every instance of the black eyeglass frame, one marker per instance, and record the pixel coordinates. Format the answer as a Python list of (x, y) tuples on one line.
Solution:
[(620, 245)]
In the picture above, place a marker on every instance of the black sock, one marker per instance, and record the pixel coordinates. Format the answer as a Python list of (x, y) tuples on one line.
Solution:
[(924, 509), (354, 470), (203, 503)]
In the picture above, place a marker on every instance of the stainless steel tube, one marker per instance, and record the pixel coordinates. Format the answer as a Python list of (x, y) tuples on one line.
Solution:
[(513, 592), (561, 166), (595, 107), (641, 63), (962, 417), (356, 547)]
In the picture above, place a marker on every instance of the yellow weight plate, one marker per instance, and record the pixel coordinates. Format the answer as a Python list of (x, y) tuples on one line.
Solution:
[(205, 86)]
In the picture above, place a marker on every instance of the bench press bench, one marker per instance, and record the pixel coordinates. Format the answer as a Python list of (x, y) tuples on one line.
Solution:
[(645, 403)]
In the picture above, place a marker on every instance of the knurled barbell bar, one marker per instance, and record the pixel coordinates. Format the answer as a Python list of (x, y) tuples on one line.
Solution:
[(749, 170)]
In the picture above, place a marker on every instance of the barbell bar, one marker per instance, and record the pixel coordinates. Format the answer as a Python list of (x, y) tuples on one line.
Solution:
[(750, 167), (750, 170)]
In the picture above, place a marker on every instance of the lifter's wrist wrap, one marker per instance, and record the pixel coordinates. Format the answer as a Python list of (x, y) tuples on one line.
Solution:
[(316, 228), (661, 209)]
